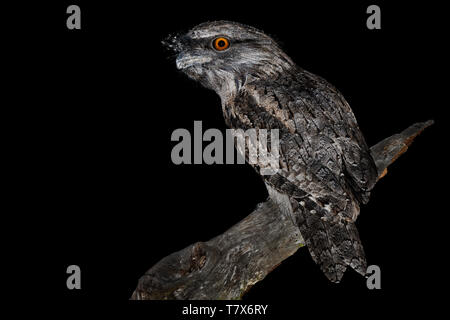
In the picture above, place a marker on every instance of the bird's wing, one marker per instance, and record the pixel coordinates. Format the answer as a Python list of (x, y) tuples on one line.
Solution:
[(341, 126), (322, 150)]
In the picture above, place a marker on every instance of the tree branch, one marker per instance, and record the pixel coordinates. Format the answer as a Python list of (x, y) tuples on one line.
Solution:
[(227, 266)]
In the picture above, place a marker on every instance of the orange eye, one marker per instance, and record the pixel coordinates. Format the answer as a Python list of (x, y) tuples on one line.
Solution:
[(221, 43)]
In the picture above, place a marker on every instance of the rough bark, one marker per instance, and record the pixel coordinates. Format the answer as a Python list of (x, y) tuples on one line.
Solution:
[(228, 265)]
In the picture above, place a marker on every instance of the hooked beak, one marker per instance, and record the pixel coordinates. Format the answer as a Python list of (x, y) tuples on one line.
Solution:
[(178, 44)]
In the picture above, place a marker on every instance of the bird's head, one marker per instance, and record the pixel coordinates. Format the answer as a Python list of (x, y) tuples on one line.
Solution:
[(222, 55)]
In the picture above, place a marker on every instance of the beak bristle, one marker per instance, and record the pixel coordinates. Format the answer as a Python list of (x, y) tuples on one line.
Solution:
[(171, 43)]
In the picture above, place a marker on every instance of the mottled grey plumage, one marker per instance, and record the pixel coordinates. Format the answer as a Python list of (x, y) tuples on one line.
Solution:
[(326, 169)]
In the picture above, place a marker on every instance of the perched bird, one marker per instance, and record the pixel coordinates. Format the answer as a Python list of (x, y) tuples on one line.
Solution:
[(325, 167)]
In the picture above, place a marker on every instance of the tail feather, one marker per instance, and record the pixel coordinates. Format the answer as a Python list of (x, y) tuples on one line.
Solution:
[(332, 242)]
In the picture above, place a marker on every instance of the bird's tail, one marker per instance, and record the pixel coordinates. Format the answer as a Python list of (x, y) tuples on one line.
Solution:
[(332, 242)]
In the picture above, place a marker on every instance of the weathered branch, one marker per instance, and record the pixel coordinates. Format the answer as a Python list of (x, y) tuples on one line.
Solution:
[(226, 266), (388, 150)]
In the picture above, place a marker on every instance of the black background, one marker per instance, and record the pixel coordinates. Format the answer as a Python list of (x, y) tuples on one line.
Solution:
[(96, 109)]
